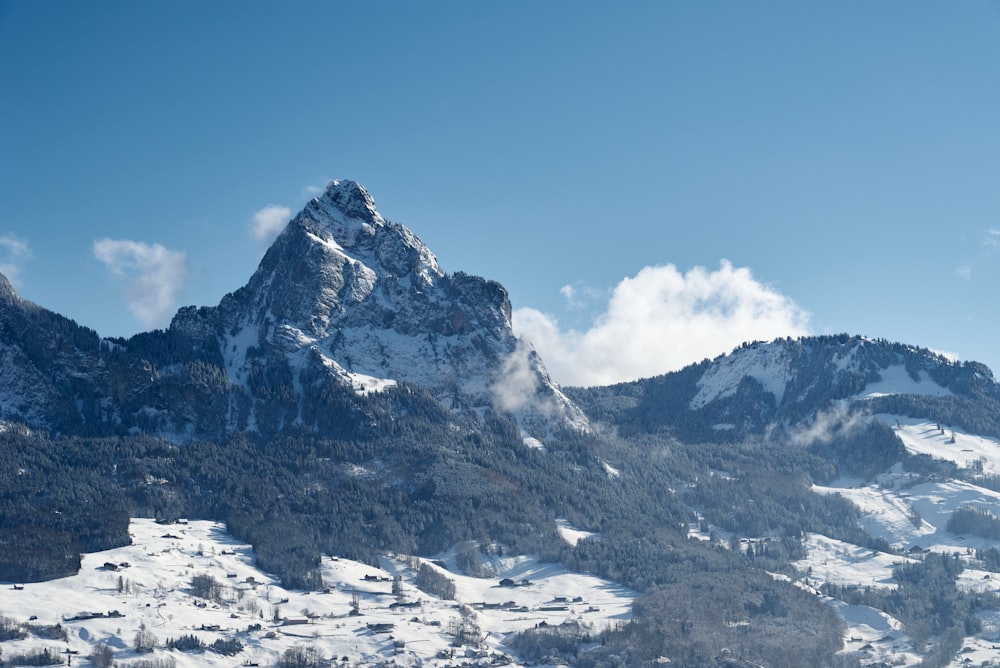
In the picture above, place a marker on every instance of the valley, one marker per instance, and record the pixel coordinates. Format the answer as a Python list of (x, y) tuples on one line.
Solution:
[(356, 620)]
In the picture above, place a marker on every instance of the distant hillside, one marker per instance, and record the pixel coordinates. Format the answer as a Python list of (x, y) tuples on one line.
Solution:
[(785, 383)]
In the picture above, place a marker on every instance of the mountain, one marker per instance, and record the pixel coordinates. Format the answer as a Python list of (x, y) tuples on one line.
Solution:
[(829, 501), (785, 384), (343, 304), (344, 299), (58, 375)]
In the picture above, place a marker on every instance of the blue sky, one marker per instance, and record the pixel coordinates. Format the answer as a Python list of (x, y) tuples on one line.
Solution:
[(653, 182)]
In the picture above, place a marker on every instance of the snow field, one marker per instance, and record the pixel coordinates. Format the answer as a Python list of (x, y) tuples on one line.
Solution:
[(836, 562), (569, 534), (909, 513), (922, 437), (153, 591), (897, 380)]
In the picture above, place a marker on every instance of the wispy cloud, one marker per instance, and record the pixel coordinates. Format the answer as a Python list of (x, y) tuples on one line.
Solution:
[(522, 388), (266, 223), (948, 355), (13, 252), (988, 245), (661, 320), (827, 425), (517, 385), (153, 275), (581, 297)]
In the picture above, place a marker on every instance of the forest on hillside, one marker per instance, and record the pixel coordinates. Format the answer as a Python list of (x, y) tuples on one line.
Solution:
[(421, 485)]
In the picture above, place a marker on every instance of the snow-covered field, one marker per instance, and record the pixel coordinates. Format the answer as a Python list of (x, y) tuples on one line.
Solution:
[(909, 513), (149, 585), (870, 634)]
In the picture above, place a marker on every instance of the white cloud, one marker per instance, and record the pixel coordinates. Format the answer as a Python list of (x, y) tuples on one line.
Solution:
[(965, 271), (13, 251), (992, 238), (517, 385), (948, 355), (269, 221), (14, 245), (154, 274), (581, 297), (827, 425), (661, 320)]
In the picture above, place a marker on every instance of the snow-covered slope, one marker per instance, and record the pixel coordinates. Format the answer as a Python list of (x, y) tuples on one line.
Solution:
[(911, 513), (771, 366), (908, 510), (942, 442), (148, 586), (862, 367)]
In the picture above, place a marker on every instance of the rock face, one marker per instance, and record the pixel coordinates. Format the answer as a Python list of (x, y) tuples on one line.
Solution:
[(345, 299), (343, 304)]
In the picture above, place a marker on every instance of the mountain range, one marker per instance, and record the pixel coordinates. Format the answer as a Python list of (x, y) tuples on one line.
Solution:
[(343, 303), (353, 399)]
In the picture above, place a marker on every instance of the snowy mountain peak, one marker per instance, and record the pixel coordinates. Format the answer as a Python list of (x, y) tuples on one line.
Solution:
[(353, 200), (345, 222), (345, 212), (345, 297)]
